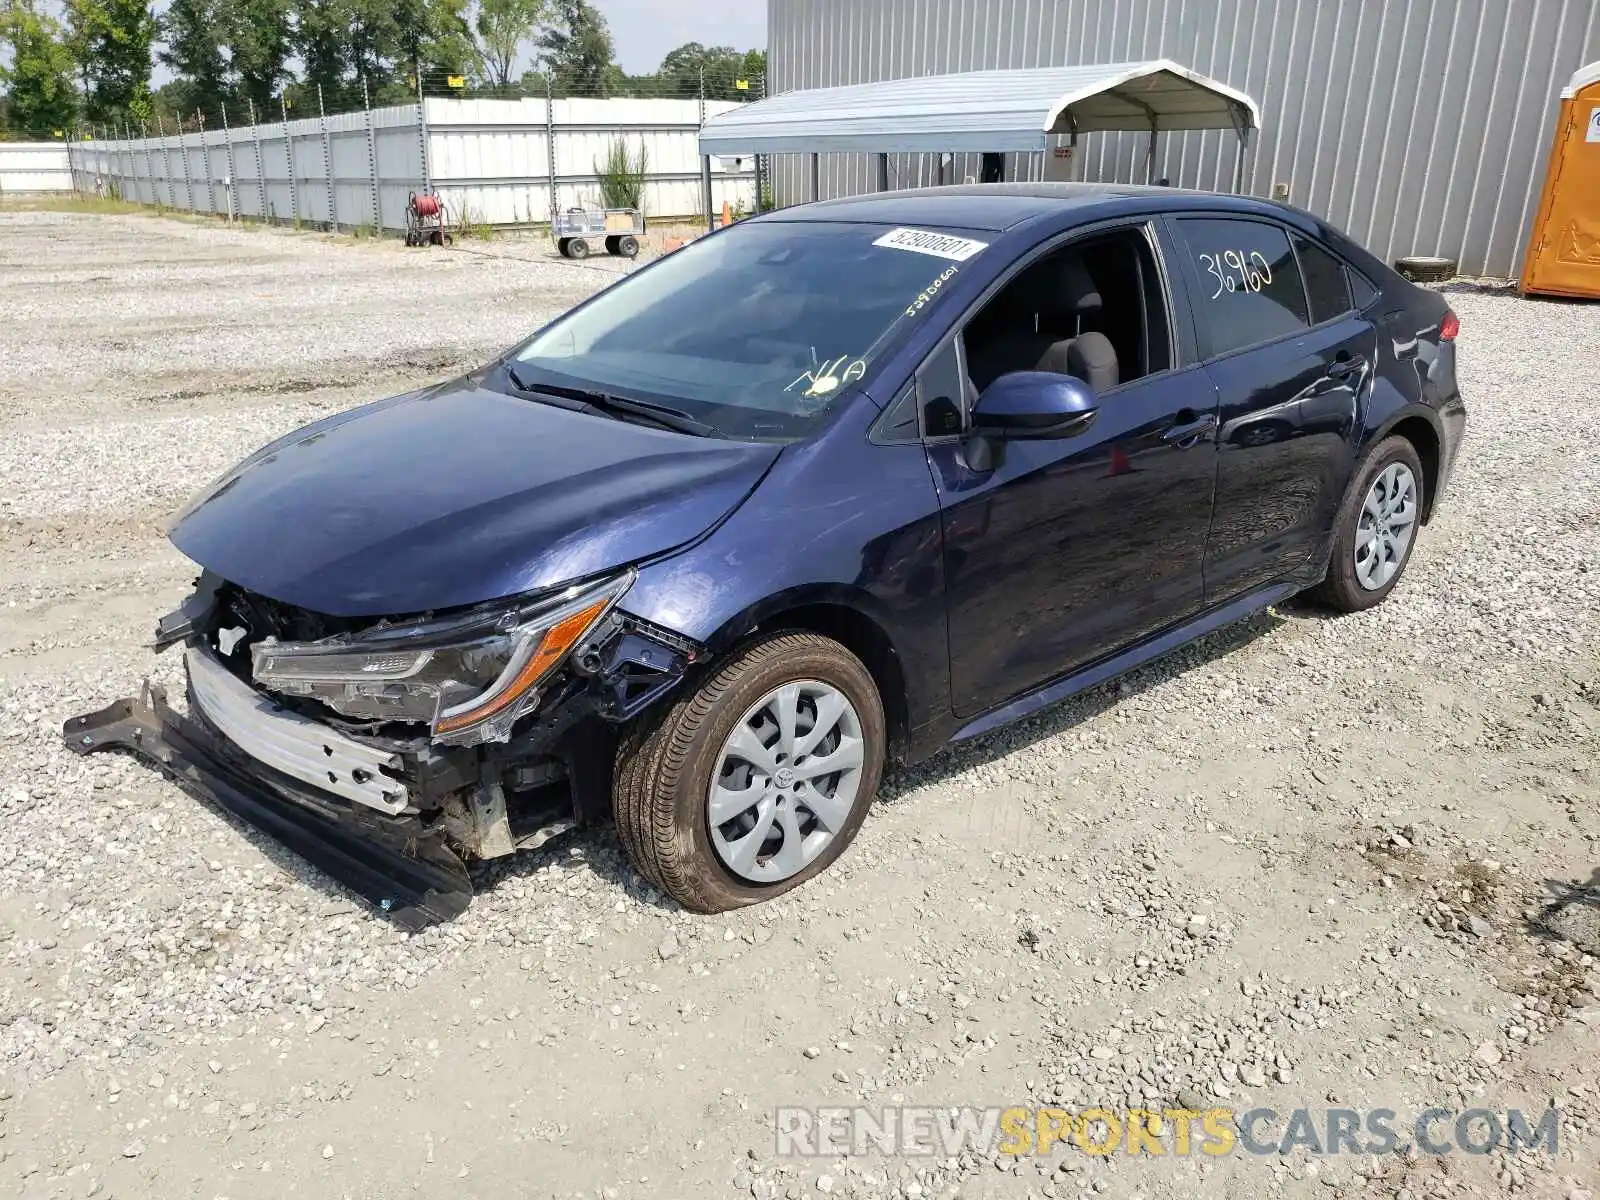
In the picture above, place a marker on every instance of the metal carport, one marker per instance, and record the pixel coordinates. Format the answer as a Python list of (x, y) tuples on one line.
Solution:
[(981, 111)]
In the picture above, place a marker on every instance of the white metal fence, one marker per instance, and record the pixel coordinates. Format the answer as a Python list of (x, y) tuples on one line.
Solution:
[(34, 167), (495, 162)]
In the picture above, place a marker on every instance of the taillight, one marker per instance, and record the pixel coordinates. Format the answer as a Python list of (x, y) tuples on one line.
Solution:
[(1449, 327)]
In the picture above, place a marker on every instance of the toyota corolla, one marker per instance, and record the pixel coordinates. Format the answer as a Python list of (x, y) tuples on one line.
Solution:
[(827, 489)]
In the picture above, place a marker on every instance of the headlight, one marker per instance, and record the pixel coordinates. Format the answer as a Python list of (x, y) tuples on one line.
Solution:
[(469, 678)]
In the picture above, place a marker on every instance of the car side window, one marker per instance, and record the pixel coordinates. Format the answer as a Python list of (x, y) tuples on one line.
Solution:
[(1361, 288), (941, 391), (1327, 284), (1094, 307), (899, 421), (1250, 288)]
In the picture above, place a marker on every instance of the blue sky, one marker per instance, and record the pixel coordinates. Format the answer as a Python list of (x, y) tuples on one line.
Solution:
[(644, 30)]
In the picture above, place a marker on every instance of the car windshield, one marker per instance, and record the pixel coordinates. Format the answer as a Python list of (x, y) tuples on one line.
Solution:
[(758, 330)]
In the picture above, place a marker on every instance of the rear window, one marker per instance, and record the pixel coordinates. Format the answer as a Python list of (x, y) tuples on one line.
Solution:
[(1249, 281), (758, 330), (1327, 282)]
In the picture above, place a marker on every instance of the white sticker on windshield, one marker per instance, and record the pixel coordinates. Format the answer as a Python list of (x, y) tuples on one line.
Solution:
[(924, 241)]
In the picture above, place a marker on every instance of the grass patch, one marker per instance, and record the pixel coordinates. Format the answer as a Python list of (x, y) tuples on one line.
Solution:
[(471, 223), (72, 203), (622, 176)]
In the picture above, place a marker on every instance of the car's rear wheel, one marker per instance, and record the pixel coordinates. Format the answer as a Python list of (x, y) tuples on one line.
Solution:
[(1375, 529), (757, 779)]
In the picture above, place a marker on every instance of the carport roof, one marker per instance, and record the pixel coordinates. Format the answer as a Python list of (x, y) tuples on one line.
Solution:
[(981, 110)]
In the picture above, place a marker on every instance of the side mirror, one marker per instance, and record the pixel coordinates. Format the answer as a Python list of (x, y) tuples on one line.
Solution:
[(1034, 404)]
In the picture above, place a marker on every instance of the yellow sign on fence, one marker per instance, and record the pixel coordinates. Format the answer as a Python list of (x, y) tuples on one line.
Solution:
[(456, 81)]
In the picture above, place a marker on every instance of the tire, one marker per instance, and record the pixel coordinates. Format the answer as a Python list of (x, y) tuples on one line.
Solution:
[(564, 245), (627, 246), (1426, 268), (577, 248), (1343, 589), (666, 766)]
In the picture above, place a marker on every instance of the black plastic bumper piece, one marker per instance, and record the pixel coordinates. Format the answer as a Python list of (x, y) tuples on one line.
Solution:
[(417, 881)]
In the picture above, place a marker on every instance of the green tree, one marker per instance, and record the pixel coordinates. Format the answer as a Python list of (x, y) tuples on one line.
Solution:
[(321, 39), (501, 28), (754, 71), (40, 97), (447, 43), (690, 67), (226, 52), (111, 41), (576, 50), (259, 44), (192, 33)]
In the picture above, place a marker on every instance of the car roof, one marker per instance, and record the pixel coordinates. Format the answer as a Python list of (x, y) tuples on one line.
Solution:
[(998, 206)]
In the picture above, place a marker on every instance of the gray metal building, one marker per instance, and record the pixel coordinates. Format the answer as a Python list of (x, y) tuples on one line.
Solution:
[(1419, 126)]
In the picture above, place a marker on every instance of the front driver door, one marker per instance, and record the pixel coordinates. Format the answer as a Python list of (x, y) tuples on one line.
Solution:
[(1066, 551)]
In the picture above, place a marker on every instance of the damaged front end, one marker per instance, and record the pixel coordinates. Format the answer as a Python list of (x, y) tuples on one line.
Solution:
[(388, 752)]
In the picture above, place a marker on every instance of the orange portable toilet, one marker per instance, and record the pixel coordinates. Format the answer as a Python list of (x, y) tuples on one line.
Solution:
[(1564, 248)]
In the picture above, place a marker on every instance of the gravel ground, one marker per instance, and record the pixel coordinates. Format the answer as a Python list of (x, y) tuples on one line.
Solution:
[(1308, 862)]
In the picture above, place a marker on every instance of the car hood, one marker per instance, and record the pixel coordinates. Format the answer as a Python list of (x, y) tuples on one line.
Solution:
[(455, 496)]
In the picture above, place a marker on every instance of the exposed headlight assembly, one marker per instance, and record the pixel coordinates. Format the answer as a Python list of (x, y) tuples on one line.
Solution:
[(469, 678)]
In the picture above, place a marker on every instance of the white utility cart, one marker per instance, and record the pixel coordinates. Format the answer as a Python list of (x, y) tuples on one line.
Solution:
[(618, 229)]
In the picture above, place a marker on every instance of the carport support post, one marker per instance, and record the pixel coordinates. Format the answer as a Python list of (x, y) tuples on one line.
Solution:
[(1150, 155), (883, 172), (1242, 125), (816, 177), (705, 191)]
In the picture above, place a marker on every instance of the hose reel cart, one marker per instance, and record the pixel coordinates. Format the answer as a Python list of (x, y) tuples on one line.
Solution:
[(425, 220)]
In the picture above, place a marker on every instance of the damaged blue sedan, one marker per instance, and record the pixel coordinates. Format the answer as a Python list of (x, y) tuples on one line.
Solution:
[(830, 488)]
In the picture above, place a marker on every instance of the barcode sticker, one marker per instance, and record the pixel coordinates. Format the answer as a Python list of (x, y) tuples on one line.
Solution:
[(924, 241)]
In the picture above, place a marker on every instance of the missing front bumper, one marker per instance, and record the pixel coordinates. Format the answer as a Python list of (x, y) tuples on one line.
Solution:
[(412, 876)]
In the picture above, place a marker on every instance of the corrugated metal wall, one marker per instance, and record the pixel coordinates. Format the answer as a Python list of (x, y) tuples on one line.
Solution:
[(34, 167), (1419, 126), (491, 160)]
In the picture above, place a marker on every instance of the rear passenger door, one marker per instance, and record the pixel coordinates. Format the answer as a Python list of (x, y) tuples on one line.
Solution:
[(1292, 360)]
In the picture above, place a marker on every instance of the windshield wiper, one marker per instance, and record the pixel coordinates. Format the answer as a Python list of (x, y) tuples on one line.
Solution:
[(620, 407)]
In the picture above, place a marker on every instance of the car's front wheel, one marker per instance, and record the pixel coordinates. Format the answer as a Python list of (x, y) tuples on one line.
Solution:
[(755, 780), (1375, 529)]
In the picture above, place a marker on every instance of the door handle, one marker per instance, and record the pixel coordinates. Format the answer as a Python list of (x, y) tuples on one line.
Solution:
[(1189, 429), (1346, 364)]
